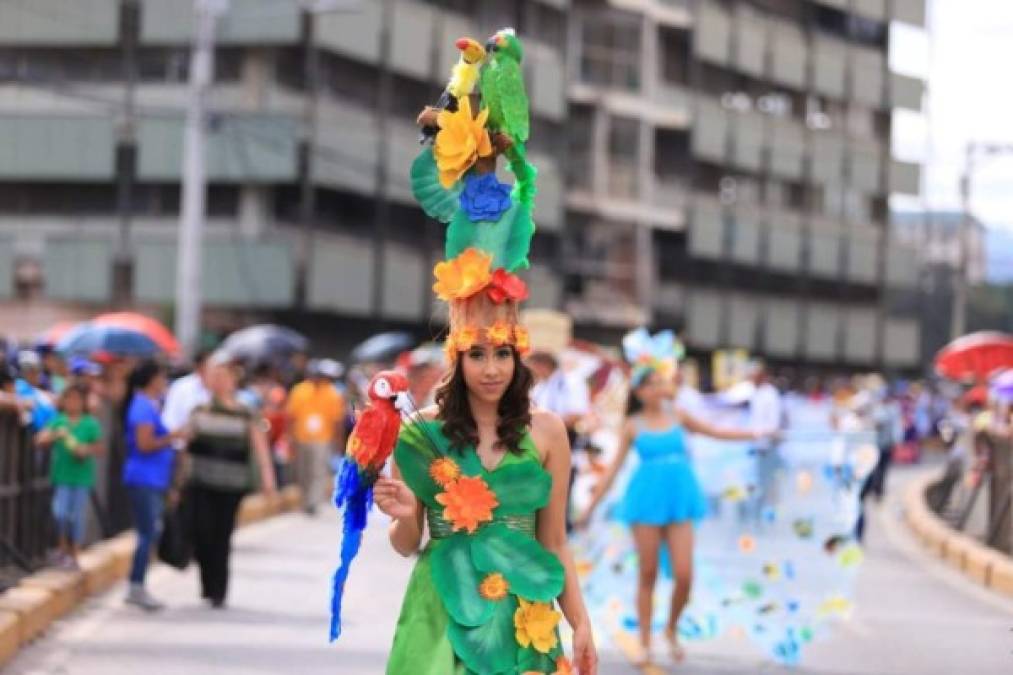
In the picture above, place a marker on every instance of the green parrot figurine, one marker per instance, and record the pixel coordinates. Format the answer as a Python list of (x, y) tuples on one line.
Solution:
[(502, 85)]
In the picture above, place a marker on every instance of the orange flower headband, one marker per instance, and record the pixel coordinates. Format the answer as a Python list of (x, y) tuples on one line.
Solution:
[(498, 334)]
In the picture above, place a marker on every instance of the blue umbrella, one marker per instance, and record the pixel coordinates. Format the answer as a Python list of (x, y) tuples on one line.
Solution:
[(383, 347), (89, 338), (264, 342)]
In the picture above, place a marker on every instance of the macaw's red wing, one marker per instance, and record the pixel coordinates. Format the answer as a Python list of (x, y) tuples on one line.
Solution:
[(390, 433), (367, 437)]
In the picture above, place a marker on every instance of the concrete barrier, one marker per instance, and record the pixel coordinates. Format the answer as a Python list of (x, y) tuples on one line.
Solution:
[(10, 635), (29, 608), (99, 569), (66, 586), (34, 607), (982, 564)]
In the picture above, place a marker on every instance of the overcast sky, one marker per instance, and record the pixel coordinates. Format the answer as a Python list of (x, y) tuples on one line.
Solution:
[(966, 53)]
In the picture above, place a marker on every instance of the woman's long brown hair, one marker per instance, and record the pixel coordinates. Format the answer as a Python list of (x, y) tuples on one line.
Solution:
[(514, 408)]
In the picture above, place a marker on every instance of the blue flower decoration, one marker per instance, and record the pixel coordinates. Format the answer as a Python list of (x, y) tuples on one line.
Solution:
[(484, 197)]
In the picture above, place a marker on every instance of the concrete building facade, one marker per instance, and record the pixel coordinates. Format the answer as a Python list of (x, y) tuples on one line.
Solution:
[(718, 166)]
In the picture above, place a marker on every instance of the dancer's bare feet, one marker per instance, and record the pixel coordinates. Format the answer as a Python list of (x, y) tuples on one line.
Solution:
[(675, 650), (641, 655)]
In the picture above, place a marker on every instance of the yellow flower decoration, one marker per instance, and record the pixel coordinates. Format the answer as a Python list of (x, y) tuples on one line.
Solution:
[(499, 333), (464, 276), (444, 471), (494, 587), (535, 624), (467, 503), (522, 339), (460, 141)]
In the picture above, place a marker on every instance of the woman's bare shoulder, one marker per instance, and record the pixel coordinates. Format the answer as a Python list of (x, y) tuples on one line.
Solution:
[(548, 432), (546, 422)]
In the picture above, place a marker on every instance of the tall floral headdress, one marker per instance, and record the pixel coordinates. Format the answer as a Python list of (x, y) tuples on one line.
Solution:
[(648, 354), (489, 223)]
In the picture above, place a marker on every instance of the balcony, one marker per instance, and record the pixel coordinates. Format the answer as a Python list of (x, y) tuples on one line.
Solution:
[(906, 92), (904, 178), (257, 22), (56, 147), (60, 22), (241, 148)]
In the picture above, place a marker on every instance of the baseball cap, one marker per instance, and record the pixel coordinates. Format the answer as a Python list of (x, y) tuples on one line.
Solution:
[(330, 369), (29, 359)]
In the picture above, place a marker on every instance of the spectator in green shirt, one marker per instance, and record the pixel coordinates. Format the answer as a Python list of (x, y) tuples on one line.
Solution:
[(73, 436)]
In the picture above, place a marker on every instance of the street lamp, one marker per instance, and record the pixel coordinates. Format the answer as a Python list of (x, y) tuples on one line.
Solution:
[(973, 153)]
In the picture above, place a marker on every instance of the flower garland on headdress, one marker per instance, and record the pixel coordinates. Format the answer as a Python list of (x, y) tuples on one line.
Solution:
[(648, 354)]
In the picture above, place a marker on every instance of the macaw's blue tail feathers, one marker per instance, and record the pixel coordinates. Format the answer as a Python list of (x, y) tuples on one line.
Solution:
[(352, 493)]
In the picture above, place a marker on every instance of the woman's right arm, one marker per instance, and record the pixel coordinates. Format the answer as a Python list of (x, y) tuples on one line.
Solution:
[(147, 441), (396, 499), (606, 482)]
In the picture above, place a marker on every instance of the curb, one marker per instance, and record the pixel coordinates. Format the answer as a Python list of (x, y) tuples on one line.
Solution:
[(983, 565), (31, 607)]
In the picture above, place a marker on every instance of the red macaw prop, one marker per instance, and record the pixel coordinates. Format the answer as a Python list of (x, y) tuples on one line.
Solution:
[(370, 444)]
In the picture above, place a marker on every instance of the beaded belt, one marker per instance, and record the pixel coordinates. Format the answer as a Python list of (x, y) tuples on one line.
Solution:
[(440, 528)]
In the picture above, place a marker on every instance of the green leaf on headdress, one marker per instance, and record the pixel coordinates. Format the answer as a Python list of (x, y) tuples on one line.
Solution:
[(437, 201), (457, 581), (533, 573), (491, 647), (508, 239)]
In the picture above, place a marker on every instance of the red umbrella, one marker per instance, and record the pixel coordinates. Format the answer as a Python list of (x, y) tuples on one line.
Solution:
[(52, 335), (158, 333), (975, 356)]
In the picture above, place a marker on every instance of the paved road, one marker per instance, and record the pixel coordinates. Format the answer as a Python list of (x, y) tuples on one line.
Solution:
[(913, 616)]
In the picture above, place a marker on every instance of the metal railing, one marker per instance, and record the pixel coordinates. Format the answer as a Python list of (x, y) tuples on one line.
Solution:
[(26, 523), (26, 526), (981, 482)]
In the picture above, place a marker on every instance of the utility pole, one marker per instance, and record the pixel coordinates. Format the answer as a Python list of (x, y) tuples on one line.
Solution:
[(126, 153), (958, 318), (194, 188), (381, 209)]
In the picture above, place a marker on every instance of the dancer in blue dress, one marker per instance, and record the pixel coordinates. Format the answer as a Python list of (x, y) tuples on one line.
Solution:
[(663, 499)]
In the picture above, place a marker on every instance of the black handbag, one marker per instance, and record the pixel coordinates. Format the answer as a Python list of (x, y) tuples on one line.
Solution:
[(175, 547)]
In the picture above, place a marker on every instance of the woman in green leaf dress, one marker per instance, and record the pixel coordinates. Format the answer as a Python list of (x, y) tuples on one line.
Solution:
[(486, 477)]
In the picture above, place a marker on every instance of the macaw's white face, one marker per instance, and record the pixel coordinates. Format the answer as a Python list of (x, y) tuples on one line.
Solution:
[(382, 389)]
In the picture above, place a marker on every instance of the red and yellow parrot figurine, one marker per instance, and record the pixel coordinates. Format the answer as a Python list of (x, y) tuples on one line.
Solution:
[(370, 444)]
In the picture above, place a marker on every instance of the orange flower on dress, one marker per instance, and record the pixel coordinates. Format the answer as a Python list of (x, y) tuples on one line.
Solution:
[(463, 276), (493, 587), (500, 333), (461, 140), (467, 503), (563, 666), (522, 339), (535, 624), (444, 471)]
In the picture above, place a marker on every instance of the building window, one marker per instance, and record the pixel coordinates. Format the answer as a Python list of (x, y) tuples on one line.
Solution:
[(861, 121), (350, 80), (624, 149), (610, 50), (545, 24), (580, 141)]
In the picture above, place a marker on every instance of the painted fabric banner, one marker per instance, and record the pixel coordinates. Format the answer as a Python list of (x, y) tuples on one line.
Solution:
[(775, 558)]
